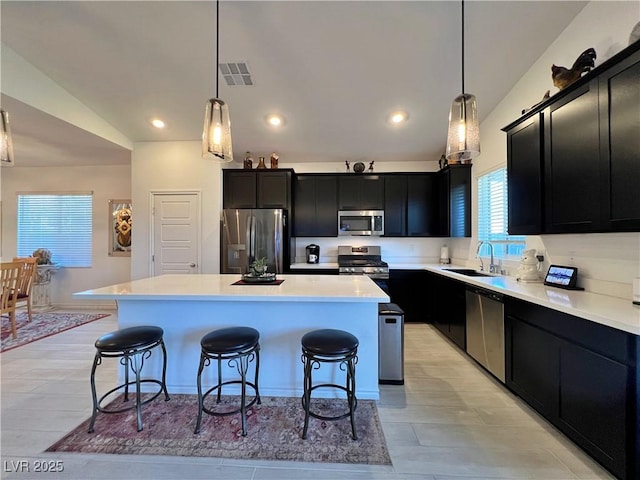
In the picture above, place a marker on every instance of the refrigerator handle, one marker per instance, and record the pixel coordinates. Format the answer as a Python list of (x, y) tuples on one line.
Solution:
[(247, 240), (276, 237), (252, 240)]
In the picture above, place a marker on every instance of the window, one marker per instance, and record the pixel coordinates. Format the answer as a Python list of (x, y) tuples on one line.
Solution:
[(493, 216), (62, 223)]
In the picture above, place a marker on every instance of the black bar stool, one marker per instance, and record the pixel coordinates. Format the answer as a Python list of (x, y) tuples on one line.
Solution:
[(133, 346), (329, 346), (238, 346)]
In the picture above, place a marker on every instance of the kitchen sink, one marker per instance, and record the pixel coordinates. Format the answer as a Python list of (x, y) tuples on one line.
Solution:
[(468, 272)]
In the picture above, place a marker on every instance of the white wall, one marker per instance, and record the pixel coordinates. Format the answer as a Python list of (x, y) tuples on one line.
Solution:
[(607, 262), (174, 167), (106, 182)]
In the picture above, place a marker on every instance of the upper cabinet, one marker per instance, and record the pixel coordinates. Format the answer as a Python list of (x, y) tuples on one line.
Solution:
[(315, 205), (395, 205), (257, 188), (454, 201), (573, 161), (360, 192)]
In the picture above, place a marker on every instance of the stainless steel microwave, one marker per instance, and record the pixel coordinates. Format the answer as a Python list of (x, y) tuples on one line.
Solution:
[(360, 222)]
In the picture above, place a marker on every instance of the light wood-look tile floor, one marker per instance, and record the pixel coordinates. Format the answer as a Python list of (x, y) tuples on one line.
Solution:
[(450, 420)]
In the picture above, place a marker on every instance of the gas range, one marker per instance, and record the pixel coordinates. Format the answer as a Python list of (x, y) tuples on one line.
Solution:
[(362, 261)]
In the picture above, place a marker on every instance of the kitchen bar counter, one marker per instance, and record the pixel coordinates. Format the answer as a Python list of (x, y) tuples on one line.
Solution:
[(614, 312), (189, 306)]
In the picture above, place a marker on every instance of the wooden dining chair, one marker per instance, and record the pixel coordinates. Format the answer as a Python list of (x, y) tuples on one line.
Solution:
[(25, 281), (10, 274)]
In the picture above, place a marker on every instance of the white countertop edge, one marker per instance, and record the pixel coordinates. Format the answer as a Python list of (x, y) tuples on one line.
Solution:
[(230, 298), (315, 266), (610, 311)]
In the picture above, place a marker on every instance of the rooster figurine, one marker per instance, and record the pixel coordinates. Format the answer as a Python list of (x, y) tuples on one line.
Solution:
[(563, 77)]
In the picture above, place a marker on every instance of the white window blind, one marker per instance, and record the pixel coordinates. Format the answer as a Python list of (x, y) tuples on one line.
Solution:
[(493, 215), (61, 223)]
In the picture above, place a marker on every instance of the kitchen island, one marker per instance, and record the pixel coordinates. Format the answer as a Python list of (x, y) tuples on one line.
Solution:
[(187, 307)]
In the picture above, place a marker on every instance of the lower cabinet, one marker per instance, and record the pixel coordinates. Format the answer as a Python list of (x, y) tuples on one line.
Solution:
[(582, 376), (407, 289), (446, 307)]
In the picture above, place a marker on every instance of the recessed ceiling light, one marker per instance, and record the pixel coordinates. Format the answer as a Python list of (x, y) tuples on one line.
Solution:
[(156, 122), (396, 118), (274, 120)]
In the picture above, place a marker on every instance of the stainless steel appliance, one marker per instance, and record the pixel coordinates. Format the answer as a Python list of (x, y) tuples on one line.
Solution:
[(485, 329), (365, 260), (360, 222), (248, 234), (390, 344)]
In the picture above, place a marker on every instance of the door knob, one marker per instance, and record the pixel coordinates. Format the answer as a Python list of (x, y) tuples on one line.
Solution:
[(193, 265)]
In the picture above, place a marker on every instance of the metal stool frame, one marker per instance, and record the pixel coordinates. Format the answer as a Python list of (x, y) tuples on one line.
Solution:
[(239, 360), (347, 362), (131, 359)]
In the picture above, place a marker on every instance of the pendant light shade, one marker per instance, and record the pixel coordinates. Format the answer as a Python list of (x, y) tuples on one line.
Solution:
[(463, 137), (216, 133), (6, 145)]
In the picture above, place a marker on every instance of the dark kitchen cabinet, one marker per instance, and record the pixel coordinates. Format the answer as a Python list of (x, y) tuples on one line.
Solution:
[(256, 189), (395, 205), (619, 89), (582, 376), (407, 289), (453, 213), (524, 177), (571, 162), (446, 303), (360, 192), (586, 137), (422, 205), (315, 206)]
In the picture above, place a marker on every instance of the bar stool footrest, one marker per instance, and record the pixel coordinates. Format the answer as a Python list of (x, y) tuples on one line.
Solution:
[(324, 417), (256, 398)]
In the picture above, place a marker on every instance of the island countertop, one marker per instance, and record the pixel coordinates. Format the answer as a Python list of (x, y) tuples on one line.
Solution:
[(212, 287)]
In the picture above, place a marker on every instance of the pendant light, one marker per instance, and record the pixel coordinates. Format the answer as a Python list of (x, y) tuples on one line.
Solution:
[(216, 134), (463, 138), (6, 145)]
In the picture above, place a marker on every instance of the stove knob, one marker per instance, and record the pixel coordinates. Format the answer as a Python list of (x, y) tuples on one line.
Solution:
[(352, 269)]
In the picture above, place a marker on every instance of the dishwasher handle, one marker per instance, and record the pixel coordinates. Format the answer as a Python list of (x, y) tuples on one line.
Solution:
[(486, 293)]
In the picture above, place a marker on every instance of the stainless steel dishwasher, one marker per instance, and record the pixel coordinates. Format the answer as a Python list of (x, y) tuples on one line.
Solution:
[(485, 329)]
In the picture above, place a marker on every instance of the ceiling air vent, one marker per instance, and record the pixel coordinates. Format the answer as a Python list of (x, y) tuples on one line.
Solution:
[(236, 73)]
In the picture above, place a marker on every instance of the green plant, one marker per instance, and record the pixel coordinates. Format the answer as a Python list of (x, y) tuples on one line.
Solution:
[(258, 266)]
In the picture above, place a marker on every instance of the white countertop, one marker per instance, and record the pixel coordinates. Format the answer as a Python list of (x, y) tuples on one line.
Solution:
[(611, 311), (298, 288), (315, 266)]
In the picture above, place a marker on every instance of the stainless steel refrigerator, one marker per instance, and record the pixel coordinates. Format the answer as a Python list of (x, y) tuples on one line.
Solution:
[(253, 233)]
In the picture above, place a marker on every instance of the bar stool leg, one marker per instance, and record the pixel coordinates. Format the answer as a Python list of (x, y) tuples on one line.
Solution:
[(200, 399), (242, 367), (219, 361), (164, 371), (258, 400), (351, 394), (94, 395), (137, 366), (306, 394)]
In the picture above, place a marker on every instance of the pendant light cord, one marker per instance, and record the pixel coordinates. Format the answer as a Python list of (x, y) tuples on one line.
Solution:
[(462, 46), (217, 43)]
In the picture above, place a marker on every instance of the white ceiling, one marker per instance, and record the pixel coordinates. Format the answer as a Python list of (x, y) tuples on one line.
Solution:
[(335, 70)]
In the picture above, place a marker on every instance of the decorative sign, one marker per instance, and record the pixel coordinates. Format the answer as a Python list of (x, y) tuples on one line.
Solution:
[(120, 218)]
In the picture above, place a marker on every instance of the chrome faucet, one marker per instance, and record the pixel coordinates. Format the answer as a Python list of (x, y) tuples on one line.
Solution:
[(492, 266)]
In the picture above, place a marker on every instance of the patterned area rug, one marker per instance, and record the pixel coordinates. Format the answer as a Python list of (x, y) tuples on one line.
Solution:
[(274, 432), (43, 325)]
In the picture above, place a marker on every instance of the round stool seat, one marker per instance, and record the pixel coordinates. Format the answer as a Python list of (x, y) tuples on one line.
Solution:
[(129, 338), (329, 342), (230, 340)]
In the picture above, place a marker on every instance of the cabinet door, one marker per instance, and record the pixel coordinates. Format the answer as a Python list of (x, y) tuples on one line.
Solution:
[(395, 205), (407, 289), (620, 145), (239, 189), (460, 201), (360, 192), (274, 190), (572, 163), (315, 206), (422, 219), (524, 177), (532, 359), (593, 404)]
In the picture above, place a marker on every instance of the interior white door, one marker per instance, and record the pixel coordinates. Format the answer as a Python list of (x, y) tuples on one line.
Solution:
[(175, 233)]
